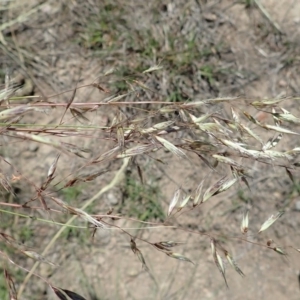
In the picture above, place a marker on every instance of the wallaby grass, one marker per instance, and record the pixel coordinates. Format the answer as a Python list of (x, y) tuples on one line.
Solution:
[(213, 137), (160, 103)]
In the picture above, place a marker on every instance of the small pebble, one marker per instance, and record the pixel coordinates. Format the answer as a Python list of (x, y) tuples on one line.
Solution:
[(112, 199), (33, 147), (297, 205)]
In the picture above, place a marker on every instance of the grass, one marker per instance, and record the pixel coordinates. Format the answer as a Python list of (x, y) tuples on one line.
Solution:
[(71, 194), (141, 201), (179, 53), (174, 117), (3, 288)]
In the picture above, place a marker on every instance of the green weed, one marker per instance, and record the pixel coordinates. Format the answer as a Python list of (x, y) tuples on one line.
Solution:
[(142, 201), (70, 194)]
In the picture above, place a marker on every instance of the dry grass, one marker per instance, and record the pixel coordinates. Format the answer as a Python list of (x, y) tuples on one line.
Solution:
[(216, 138), (158, 105)]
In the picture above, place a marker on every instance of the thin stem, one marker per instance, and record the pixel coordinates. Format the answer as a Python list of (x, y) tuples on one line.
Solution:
[(116, 180)]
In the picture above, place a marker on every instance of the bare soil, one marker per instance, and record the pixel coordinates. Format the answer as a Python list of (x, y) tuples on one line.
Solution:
[(222, 49)]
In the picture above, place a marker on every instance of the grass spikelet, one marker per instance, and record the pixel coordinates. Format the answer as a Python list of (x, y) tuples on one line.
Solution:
[(138, 253), (169, 244), (100, 88), (65, 147), (38, 257), (210, 127), (266, 103), (114, 98), (50, 174), (163, 125), (77, 114), (235, 115), (218, 260), (221, 265), (221, 186), (140, 173), (174, 201), (280, 251), (270, 221), (233, 145), (153, 68), (275, 154), (290, 174), (213, 189), (251, 118), (199, 119), (141, 259), (137, 150), (142, 85), (287, 117), (183, 115), (251, 133), (10, 286), (197, 197), (74, 149), (169, 146), (79, 212), (234, 264), (158, 126), (108, 155), (179, 257), (63, 294), (184, 202), (68, 105), (193, 104), (15, 111), (271, 143), (87, 217), (294, 151), (245, 222), (167, 109), (133, 245), (52, 168), (279, 129), (226, 185), (227, 160)]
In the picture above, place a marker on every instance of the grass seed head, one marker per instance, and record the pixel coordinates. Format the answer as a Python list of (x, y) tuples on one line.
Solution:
[(52, 168), (179, 256), (270, 221), (197, 197), (174, 201), (170, 244), (184, 202), (245, 222), (280, 251), (172, 148), (234, 264), (63, 294)]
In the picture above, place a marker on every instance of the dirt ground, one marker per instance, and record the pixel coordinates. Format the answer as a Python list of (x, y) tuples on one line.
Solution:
[(207, 49)]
